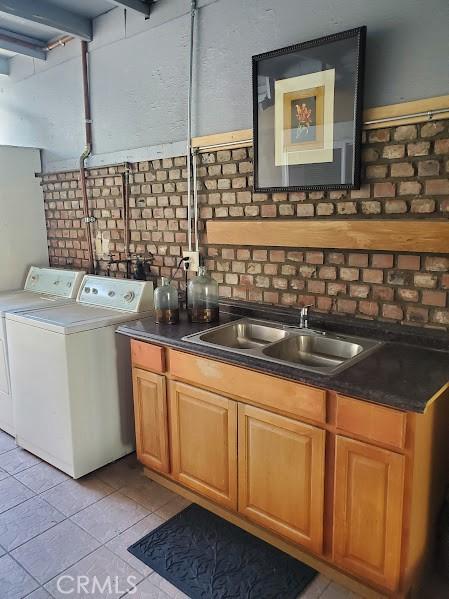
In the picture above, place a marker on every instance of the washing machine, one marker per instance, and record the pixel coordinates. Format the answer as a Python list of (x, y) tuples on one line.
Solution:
[(71, 375), (43, 287)]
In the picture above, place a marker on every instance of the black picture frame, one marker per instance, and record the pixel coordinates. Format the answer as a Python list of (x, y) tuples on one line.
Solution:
[(311, 176)]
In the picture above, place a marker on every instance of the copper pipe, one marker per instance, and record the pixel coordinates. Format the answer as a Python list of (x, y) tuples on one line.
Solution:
[(86, 152), (61, 41)]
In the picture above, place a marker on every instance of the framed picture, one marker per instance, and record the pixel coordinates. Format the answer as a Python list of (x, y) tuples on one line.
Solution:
[(307, 113)]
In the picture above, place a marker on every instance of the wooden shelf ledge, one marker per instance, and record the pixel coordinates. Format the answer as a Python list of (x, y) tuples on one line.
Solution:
[(426, 236), (379, 117)]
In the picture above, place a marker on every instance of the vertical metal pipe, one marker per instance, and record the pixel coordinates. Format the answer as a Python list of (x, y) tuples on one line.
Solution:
[(189, 125), (86, 95), (195, 198), (125, 193), (86, 152)]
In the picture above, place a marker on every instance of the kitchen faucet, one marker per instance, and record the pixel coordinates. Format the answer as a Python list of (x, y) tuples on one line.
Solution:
[(304, 317)]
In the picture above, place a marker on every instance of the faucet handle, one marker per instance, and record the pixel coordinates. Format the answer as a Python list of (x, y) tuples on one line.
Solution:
[(304, 317)]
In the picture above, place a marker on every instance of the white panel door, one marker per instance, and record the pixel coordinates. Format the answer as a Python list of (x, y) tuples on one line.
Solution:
[(23, 237)]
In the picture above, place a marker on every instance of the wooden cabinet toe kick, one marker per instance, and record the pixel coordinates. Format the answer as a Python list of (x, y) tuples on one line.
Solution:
[(349, 487)]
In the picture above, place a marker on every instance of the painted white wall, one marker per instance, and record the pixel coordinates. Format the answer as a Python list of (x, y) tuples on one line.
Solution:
[(23, 236), (139, 71)]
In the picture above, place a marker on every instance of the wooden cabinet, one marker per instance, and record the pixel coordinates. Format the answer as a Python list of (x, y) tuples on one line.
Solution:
[(203, 427), (281, 475), (150, 409), (369, 488), (357, 484)]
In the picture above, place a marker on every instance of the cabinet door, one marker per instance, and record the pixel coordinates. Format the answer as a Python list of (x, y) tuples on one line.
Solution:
[(203, 432), (150, 412), (281, 475), (369, 487)]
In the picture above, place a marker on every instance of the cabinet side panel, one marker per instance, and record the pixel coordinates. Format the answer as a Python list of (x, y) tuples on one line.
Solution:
[(427, 488)]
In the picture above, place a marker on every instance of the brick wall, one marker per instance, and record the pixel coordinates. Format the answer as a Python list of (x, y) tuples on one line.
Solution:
[(405, 175)]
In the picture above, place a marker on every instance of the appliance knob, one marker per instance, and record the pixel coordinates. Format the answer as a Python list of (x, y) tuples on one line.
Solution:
[(69, 284), (86, 289), (56, 283), (34, 279), (128, 297), (95, 291), (111, 293)]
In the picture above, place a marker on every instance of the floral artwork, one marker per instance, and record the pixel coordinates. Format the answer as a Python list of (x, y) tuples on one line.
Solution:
[(307, 114), (303, 120), (304, 115)]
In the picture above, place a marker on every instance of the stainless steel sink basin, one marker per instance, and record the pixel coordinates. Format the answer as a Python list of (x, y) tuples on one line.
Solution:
[(244, 334), (305, 349), (314, 350)]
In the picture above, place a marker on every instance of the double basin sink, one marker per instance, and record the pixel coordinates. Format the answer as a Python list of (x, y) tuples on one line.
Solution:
[(302, 348)]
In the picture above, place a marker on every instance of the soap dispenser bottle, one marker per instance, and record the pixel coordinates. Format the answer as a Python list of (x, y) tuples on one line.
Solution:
[(202, 297)]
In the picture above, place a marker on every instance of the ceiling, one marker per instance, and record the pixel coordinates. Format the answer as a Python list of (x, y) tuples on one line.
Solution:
[(28, 26)]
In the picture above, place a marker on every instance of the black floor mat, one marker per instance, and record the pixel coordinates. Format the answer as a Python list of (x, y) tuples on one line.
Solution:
[(206, 557)]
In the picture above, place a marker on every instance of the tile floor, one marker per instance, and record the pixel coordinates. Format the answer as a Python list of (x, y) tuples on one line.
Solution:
[(53, 528)]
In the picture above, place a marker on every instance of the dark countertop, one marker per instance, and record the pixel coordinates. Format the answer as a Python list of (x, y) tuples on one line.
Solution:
[(399, 374)]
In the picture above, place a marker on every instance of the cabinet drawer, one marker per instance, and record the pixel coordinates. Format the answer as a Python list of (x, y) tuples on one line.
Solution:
[(371, 421), (287, 397), (147, 356)]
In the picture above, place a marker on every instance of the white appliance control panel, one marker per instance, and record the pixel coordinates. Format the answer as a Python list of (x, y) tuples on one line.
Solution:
[(54, 281), (119, 294)]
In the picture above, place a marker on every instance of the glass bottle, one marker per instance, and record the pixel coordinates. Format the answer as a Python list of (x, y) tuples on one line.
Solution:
[(202, 297), (166, 305)]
